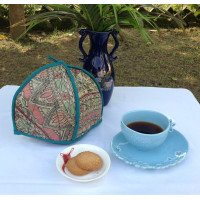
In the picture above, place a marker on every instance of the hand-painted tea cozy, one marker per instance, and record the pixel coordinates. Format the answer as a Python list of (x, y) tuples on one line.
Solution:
[(58, 103)]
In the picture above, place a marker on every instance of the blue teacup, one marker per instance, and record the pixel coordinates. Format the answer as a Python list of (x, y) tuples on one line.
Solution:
[(144, 141)]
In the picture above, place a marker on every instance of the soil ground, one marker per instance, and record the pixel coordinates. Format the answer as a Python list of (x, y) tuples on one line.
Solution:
[(173, 60)]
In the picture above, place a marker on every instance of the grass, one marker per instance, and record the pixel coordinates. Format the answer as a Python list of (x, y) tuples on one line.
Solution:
[(173, 60)]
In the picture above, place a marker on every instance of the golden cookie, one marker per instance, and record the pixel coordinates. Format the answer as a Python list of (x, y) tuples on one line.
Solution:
[(89, 161), (74, 169)]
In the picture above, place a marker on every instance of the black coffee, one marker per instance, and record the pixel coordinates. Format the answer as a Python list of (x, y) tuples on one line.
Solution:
[(145, 127)]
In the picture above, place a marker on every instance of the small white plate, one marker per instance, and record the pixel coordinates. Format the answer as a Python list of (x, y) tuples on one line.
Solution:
[(78, 149)]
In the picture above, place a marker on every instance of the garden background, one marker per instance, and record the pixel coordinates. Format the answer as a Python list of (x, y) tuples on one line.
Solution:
[(172, 59)]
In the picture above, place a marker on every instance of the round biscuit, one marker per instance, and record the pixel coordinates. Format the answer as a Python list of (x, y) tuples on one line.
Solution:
[(74, 169), (89, 161)]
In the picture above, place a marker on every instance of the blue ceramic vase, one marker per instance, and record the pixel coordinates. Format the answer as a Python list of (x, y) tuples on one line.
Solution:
[(98, 61)]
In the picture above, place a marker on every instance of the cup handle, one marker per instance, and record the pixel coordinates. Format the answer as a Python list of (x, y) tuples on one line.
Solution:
[(172, 124)]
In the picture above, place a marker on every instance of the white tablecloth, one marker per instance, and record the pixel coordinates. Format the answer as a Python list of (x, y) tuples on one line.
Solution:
[(27, 165)]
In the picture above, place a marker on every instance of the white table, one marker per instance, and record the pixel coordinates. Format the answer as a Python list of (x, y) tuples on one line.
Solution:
[(27, 165)]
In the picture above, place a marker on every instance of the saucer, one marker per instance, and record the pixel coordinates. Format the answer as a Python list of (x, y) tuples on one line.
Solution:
[(170, 153), (78, 149)]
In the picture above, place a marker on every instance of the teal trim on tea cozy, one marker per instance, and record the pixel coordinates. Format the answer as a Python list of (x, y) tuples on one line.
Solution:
[(77, 101), (86, 72), (51, 58), (77, 106), (63, 142), (27, 80), (94, 79)]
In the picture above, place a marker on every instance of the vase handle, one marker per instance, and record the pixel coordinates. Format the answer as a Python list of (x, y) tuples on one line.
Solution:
[(114, 35), (83, 34)]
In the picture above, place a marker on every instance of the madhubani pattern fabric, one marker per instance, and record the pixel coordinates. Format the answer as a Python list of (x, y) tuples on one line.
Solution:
[(90, 101), (49, 104), (46, 106)]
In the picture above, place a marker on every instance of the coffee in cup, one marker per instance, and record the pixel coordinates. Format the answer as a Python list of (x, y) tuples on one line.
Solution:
[(146, 129)]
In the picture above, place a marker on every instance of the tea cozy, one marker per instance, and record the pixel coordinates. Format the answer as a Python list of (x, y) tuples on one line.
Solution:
[(57, 103)]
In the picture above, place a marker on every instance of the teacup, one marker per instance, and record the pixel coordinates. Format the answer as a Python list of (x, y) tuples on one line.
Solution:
[(144, 141)]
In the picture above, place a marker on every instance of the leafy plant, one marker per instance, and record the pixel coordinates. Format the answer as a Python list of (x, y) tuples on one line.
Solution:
[(96, 17), (161, 12), (179, 11), (30, 9)]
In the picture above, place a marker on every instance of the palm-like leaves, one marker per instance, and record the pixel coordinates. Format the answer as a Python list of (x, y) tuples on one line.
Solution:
[(96, 17)]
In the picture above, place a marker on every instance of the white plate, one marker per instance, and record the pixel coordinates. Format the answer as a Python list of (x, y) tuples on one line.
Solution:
[(78, 149)]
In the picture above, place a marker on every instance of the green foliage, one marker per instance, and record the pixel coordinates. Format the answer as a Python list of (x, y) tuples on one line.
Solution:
[(4, 22), (99, 17), (96, 17), (29, 9), (3, 11), (179, 8)]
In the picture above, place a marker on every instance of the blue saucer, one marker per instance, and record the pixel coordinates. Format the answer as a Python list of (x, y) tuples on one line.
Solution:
[(170, 153)]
